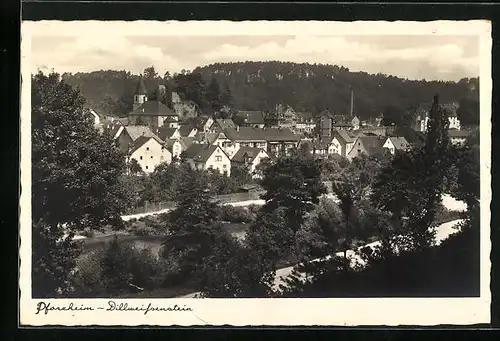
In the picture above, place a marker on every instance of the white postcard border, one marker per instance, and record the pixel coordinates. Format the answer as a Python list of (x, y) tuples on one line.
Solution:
[(245, 312)]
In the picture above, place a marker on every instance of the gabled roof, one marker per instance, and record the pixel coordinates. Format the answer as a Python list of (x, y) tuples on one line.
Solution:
[(137, 131), (141, 141), (200, 152), (252, 117), (185, 130), (225, 123), (373, 144), (326, 113), (141, 88), (206, 137), (399, 142), (261, 134), (165, 132), (186, 142), (246, 152), (153, 108), (344, 136)]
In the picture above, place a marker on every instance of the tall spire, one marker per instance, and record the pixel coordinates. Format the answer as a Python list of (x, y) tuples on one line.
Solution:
[(141, 88)]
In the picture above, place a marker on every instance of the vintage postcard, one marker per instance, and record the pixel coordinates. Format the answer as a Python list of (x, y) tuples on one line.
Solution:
[(266, 173)]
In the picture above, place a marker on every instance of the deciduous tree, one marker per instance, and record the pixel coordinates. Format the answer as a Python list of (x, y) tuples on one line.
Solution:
[(76, 175)]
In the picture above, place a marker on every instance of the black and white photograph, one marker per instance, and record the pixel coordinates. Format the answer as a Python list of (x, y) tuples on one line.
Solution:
[(287, 169)]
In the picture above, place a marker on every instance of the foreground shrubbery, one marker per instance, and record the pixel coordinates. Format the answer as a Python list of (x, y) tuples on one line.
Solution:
[(450, 269), (117, 269)]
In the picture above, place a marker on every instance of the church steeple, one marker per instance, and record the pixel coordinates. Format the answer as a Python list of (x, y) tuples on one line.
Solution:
[(141, 94)]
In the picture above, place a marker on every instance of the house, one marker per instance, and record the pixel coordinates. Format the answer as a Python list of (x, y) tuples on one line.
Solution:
[(166, 133), (221, 125), (154, 114), (204, 156), (150, 112), (368, 145), (342, 142), (255, 119), (187, 130), (127, 135), (175, 147), (394, 143), (458, 137), (275, 141), (305, 124), (149, 152), (451, 110), (248, 157), (324, 122), (344, 122)]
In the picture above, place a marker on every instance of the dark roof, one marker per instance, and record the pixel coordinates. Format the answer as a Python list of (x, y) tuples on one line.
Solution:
[(373, 144), (458, 133), (246, 152), (206, 137), (153, 108), (344, 136), (341, 120), (187, 141), (326, 113), (141, 88), (165, 132), (185, 129), (225, 123), (322, 143), (141, 141), (261, 134), (252, 117), (200, 152)]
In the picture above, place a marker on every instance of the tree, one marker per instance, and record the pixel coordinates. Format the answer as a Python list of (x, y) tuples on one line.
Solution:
[(232, 271), (134, 167), (227, 96), (468, 111), (411, 186), (76, 175), (150, 73), (294, 184), (214, 96), (192, 226)]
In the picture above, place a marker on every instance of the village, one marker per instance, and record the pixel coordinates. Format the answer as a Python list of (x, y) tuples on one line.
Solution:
[(153, 134)]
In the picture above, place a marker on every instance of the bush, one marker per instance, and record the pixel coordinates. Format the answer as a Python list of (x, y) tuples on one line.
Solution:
[(88, 233), (118, 269), (235, 214)]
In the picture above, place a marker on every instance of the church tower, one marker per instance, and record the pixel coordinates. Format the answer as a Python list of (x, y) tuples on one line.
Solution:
[(141, 94)]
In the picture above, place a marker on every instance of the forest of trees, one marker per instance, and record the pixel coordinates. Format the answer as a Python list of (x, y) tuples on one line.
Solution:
[(262, 85)]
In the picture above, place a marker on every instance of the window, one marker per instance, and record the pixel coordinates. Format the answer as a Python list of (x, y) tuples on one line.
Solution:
[(147, 148), (218, 158), (146, 167), (224, 166), (141, 157), (151, 156)]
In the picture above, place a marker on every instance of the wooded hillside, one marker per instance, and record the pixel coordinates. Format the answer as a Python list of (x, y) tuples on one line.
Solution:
[(262, 85)]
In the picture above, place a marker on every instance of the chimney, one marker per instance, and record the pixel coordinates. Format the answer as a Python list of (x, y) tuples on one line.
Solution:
[(351, 108), (237, 128)]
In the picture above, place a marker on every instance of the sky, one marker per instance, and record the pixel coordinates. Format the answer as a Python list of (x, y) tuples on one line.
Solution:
[(430, 57)]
